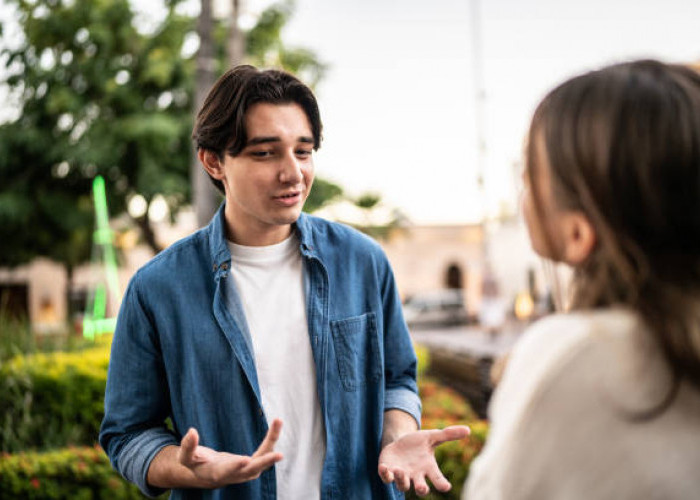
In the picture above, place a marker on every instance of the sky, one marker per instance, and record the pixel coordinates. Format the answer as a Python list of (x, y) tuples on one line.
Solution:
[(413, 86), (400, 104)]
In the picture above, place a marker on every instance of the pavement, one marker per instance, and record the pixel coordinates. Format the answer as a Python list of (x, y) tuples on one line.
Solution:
[(468, 340), (463, 358)]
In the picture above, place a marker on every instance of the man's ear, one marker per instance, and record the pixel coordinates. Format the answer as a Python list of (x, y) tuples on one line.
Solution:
[(579, 238), (211, 163)]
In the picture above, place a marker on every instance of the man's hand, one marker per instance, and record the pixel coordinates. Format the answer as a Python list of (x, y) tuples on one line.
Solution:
[(194, 466), (411, 458)]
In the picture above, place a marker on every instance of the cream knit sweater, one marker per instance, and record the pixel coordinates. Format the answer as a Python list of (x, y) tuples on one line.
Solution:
[(562, 423)]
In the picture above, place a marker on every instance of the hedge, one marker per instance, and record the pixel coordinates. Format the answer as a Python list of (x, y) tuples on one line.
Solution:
[(71, 473), (52, 400)]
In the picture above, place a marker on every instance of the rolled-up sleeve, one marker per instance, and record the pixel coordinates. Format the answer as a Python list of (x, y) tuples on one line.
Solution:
[(133, 430)]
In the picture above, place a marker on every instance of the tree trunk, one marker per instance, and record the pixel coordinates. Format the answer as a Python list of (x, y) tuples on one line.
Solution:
[(236, 39), (148, 233), (69, 294), (205, 197)]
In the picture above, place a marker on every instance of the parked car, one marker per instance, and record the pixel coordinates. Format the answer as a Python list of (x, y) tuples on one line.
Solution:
[(436, 308)]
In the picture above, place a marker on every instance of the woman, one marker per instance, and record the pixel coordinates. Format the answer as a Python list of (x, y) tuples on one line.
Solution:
[(603, 402)]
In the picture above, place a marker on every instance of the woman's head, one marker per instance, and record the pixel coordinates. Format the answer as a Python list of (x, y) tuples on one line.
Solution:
[(613, 174), (617, 151)]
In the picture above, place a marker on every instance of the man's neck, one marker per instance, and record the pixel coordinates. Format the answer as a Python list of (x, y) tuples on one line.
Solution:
[(257, 237)]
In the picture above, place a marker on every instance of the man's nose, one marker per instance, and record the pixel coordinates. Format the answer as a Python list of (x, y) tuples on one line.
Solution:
[(290, 169)]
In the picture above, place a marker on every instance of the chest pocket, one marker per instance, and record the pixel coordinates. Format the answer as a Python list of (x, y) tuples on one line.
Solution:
[(357, 350)]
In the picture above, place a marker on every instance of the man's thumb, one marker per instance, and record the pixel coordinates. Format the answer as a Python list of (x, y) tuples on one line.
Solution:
[(187, 446)]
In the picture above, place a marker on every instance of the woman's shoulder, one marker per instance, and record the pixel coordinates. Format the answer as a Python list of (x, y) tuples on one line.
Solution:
[(568, 330), (565, 413), (549, 348)]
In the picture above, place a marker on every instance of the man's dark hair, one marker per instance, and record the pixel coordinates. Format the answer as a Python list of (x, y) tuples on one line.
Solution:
[(220, 123)]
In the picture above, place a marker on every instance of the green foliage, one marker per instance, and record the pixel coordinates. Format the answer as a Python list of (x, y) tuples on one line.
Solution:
[(443, 407), (65, 474), (423, 355), (265, 48), (53, 399), (322, 193), (96, 97), (16, 337), (368, 200)]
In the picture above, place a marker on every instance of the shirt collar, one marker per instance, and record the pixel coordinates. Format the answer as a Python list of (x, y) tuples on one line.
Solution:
[(303, 229), (220, 253)]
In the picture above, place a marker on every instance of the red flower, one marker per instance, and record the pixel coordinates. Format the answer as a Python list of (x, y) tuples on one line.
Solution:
[(35, 483)]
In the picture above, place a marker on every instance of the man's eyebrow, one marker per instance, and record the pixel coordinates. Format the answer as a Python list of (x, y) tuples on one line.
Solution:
[(262, 140), (265, 139)]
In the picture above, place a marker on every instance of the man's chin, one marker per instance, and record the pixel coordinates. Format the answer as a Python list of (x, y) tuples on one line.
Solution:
[(288, 218)]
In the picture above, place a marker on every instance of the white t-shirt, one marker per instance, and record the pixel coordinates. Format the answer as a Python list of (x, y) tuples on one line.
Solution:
[(270, 282)]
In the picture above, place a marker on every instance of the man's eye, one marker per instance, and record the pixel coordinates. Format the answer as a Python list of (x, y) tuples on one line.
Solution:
[(303, 152), (261, 154)]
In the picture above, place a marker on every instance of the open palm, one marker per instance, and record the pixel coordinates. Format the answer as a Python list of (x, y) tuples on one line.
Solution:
[(214, 469), (411, 459)]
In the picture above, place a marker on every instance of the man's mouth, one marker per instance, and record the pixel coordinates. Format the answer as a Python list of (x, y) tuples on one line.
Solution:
[(288, 195), (288, 199)]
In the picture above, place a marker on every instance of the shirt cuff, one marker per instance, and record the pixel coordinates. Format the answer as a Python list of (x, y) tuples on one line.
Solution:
[(400, 398), (136, 456)]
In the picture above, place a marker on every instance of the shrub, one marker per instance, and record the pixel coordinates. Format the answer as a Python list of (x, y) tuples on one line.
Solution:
[(52, 400), (442, 407), (15, 337), (423, 356), (66, 474)]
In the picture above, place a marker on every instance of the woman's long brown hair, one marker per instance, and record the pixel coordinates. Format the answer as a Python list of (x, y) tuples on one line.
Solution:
[(623, 147)]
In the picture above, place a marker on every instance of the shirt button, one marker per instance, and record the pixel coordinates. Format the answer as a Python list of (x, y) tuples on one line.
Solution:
[(215, 266), (224, 266)]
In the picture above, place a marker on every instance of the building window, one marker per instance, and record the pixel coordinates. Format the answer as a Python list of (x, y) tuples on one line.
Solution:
[(453, 277)]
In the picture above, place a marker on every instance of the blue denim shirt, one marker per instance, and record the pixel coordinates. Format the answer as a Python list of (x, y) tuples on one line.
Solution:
[(182, 350)]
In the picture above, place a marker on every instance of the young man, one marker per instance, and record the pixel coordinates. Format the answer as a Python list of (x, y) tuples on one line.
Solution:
[(266, 316)]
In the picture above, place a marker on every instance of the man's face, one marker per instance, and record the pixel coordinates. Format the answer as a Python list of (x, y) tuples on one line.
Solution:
[(268, 182)]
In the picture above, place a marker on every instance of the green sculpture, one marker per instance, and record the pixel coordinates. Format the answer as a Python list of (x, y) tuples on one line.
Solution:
[(95, 321)]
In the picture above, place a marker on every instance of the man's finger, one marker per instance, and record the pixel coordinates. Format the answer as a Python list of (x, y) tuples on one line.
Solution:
[(403, 482), (451, 433), (439, 481), (420, 486), (260, 464), (188, 445), (385, 474), (273, 434)]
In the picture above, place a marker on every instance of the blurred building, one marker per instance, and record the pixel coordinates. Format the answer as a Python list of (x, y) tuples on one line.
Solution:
[(428, 258), (38, 290), (425, 259)]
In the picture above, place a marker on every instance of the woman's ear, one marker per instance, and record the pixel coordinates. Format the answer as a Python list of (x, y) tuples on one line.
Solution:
[(579, 238), (211, 163)]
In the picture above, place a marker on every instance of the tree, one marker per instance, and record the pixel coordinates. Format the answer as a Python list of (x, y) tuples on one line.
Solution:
[(205, 197), (96, 95)]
